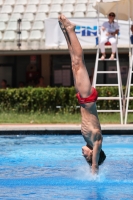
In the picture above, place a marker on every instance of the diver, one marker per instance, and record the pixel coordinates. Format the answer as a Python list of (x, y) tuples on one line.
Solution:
[(87, 96)]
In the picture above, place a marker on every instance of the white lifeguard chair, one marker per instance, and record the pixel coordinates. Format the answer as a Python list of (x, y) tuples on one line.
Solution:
[(117, 72)]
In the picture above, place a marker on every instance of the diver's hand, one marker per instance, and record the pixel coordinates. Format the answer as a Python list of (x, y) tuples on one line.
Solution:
[(94, 169)]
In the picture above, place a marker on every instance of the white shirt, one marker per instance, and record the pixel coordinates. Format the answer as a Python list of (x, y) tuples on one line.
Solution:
[(111, 27)]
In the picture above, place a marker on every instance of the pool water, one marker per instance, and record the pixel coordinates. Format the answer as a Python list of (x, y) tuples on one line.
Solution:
[(53, 168)]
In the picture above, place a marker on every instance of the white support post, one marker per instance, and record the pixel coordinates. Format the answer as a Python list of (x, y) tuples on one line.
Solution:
[(130, 71), (128, 86), (119, 86), (95, 69)]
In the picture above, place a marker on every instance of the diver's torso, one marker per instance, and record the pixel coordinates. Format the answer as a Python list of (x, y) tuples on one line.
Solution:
[(90, 126)]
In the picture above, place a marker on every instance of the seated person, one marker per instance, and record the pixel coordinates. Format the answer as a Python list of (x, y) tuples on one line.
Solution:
[(3, 84), (108, 31), (41, 82), (21, 84), (131, 37)]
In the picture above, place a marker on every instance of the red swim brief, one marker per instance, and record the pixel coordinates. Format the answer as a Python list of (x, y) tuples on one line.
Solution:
[(92, 98)]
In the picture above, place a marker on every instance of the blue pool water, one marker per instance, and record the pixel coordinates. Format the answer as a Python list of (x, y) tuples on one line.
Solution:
[(53, 168)]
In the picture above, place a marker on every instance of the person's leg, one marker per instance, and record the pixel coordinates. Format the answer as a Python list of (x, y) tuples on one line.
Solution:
[(102, 47), (81, 77), (69, 46), (113, 44)]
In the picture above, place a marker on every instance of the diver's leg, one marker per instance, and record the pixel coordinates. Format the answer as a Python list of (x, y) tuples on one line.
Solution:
[(81, 77), (69, 47)]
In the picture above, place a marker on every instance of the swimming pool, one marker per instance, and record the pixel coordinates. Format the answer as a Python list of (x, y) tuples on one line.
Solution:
[(53, 168)]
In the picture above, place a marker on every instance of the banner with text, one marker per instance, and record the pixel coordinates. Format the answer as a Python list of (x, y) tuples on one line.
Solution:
[(86, 31)]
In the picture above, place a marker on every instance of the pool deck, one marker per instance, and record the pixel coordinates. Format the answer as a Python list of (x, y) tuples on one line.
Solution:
[(21, 129)]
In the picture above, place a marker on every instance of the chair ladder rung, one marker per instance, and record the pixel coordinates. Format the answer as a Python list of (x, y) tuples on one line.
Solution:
[(108, 111), (107, 85), (107, 72), (109, 98), (107, 59)]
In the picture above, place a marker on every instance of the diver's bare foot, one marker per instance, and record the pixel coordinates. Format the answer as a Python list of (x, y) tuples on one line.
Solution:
[(66, 23)]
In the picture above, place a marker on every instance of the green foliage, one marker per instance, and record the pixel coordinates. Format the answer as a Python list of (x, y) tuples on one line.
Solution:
[(47, 99), (108, 104)]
